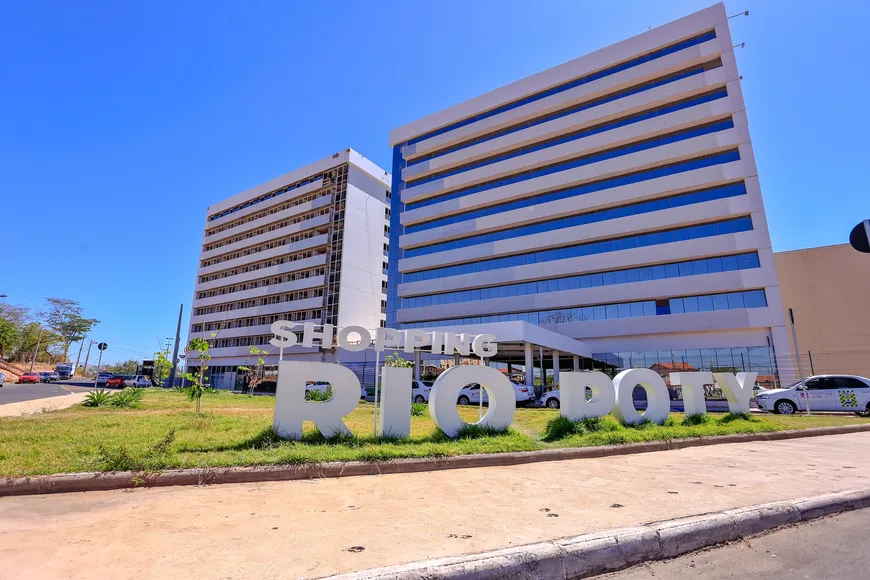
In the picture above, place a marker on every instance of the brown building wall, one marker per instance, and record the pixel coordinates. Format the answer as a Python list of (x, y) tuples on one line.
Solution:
[(829, 290)]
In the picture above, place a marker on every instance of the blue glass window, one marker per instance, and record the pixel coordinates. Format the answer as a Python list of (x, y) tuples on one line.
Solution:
[(580, 162), (574, 136), (671, 270), (568, 283), (675, 168), (747, 299)]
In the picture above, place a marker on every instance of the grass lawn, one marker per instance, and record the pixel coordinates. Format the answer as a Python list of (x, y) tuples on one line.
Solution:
[(164, 432)]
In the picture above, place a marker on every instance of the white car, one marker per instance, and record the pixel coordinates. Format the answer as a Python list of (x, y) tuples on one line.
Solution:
[(552, 399), (420, 391), (470, 395), (103, 378), (2, 378), (319, 387), (138, 381), (824, 392)]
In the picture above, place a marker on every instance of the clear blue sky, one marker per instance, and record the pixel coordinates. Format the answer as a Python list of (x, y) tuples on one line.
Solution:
[(120, 122)]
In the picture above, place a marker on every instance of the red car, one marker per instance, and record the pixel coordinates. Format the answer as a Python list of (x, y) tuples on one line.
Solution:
[(29, 378), (116, 381)]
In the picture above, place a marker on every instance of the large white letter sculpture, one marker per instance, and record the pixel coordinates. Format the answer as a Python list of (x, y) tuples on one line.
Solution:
[(694, 402), (395, 408), (291, 408), (658, 402), (738, 390), (445, 392), (574, 405)]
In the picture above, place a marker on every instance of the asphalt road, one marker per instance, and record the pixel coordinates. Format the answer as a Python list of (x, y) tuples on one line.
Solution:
[(14, 393), (837, 547)]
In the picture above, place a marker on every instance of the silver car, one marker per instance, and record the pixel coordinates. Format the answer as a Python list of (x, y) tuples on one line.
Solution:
[(2, 378)]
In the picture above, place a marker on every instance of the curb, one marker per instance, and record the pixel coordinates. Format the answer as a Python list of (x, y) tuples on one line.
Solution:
[(599, 553), (102, 481)]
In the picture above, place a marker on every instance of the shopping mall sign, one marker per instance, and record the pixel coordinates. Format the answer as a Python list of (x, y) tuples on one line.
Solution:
[(394, 410)]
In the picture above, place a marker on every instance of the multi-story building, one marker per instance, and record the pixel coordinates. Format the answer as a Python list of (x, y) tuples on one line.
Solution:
[(613, 199), (309, 246)]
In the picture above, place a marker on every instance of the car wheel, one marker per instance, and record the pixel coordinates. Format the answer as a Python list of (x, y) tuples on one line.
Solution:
[(784, 407), (552, 403), (463, 400), (419, 399), (865, 412)]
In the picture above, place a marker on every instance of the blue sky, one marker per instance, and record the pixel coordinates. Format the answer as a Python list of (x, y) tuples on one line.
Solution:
[(122, 121)]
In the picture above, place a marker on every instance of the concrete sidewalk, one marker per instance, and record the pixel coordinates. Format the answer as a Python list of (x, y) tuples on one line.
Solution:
[(327, 526), (41, 405)]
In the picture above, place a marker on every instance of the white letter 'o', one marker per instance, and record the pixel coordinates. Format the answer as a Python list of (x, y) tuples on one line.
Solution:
[(658, 401), (445, 392)]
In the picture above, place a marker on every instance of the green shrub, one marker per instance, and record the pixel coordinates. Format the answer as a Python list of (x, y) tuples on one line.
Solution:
[(179, 389), (128, 398), (316, 395), (418, 409), (562, 427), (731, 417), (164, 446), (119, 459), (696, 419), (478, 431), (98, 398)]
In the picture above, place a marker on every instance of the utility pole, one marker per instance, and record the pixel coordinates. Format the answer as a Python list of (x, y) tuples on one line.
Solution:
[(36, 352), (78, 358), (90, 344), (171, 380)]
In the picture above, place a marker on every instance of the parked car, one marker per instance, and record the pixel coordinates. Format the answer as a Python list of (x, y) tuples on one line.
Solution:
[(552, 399), (848, 393), (420, 391), (29, 378), (103, 378), (2, 378), (116, 381), (138, 381), (470, 395), (48, 377)]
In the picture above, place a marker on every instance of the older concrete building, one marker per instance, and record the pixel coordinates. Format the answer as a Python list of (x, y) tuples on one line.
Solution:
[(613, 199), (309, 246), (827, 288)]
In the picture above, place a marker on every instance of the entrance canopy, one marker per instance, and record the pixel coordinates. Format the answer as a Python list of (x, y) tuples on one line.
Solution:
[(517, 339)]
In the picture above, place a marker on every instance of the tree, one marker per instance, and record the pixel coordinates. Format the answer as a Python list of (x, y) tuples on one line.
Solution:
[(64, 316), (394, 360), (198, 378), (162, 366), (259, 353)]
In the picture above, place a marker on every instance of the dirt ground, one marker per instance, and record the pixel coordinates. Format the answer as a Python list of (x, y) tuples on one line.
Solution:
[(321, 527)]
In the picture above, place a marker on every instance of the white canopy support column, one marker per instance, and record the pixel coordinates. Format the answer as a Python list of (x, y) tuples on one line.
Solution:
[(556, 369), (576, 363), (530, 365)]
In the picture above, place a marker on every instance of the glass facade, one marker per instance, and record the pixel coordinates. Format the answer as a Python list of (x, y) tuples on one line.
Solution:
[(612, 245), (660, 307), (581, 134), (725, 191), (672, 169), (609, 278), (735, 359), (578, 162)]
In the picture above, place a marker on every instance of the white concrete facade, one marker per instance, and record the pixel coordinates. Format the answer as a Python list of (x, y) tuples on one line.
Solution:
[(613, 199), (308, 246)]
